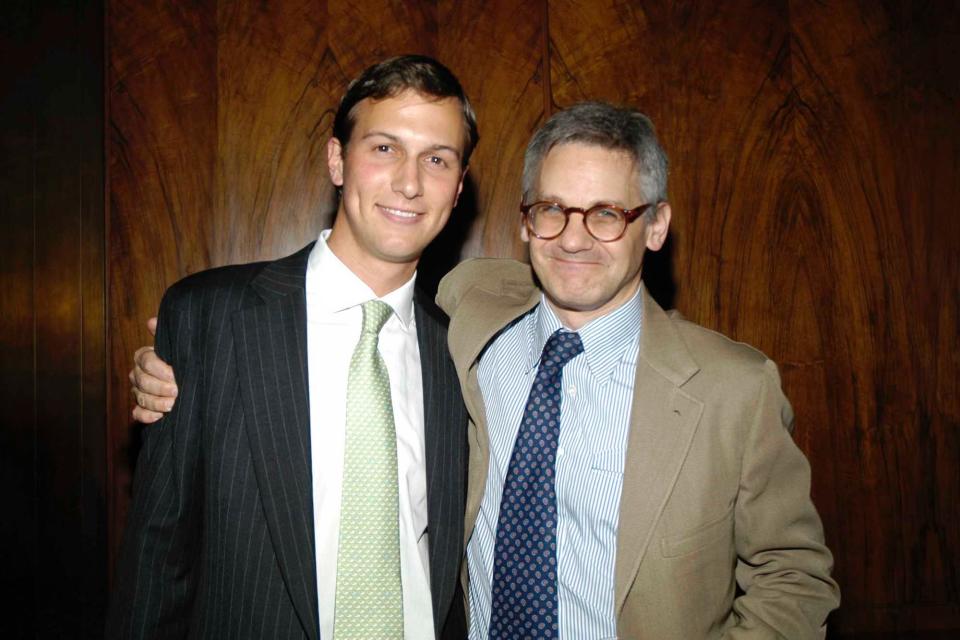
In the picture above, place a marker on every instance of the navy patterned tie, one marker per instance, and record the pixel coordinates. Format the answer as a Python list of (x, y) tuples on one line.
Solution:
[(525, 553)]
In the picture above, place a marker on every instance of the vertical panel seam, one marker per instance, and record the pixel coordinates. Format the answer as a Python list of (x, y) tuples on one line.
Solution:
[(545, 79)]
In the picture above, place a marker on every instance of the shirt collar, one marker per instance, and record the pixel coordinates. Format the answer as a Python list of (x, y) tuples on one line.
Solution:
[(337, 288), (607, 340)]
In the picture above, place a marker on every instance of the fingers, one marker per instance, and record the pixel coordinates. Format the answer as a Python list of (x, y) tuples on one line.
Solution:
[(153, 385), (150, 363), (154, 395), (148, 399), (145, 416)]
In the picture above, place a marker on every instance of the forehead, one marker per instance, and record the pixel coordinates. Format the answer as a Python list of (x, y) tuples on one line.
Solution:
[(580, 174), (409, 114)]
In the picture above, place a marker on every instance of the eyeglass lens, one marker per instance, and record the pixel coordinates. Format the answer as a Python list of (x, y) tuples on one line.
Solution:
[(603, 222)]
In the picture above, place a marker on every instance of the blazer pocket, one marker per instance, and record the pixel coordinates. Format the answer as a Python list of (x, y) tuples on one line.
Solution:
[(609, 460), (702, 536)]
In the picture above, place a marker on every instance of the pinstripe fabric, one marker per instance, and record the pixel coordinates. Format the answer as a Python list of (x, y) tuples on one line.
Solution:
[(219, 541), (595, 417), (445, 442)]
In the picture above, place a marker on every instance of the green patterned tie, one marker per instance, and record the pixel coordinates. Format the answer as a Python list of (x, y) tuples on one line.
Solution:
[(369, 596)]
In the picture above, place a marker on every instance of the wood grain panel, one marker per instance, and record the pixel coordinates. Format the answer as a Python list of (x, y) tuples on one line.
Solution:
[(363, 33), (497, 51), (277, 90), (161, 151), (879, 139)]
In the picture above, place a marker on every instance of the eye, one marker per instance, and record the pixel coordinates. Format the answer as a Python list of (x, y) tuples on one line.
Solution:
[(605, 214), (547, 209), (437, 161), (382, 148)]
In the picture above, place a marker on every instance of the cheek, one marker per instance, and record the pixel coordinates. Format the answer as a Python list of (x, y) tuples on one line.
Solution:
[(628, 260), (536, 250), (364, 178), (445, 187), (440, 196)]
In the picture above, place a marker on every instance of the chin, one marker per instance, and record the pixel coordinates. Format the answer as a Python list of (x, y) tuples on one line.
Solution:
[(400, 257), (579, 298), (402, 249), (576, 303)]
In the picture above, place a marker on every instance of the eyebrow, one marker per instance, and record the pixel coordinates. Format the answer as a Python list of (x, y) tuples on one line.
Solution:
[(543, 197), (390, 136)]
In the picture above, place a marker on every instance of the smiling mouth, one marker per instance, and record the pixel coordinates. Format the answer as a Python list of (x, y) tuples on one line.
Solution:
[(566, 262), (399, 213)]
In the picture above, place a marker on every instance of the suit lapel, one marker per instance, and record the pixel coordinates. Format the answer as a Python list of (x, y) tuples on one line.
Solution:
[(445, 448), (663, 422), (271, 344)]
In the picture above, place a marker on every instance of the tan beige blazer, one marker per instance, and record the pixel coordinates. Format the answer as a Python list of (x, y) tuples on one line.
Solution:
[(717, 534)]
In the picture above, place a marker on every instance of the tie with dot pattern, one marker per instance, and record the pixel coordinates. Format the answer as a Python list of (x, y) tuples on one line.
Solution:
[(369, 600), (525, 553)]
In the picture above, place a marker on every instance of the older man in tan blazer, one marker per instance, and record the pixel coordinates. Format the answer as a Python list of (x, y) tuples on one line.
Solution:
[(714, 533)]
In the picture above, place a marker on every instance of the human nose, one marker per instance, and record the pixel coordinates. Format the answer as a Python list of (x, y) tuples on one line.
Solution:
[(575, 236), (407, 179)]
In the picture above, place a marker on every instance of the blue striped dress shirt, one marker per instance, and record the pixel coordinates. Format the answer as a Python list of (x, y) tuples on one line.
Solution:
[(594, 421)]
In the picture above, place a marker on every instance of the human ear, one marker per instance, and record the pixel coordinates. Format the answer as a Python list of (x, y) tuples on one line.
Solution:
[(335, 161), (658, 227), (524, 234), (463, 176)]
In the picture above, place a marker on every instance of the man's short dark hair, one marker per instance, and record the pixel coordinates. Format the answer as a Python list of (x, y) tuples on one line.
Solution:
[(392, 77)]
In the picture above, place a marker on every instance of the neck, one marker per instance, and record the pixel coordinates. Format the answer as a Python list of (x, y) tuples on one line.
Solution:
[(575, 319), (382, 276)]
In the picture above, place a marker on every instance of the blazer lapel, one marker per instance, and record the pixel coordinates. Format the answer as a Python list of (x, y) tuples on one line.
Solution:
[(271, 343), (478, 319), (663, 422)]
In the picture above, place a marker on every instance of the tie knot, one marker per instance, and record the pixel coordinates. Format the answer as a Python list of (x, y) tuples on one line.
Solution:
[(375, 315), (561, 347)]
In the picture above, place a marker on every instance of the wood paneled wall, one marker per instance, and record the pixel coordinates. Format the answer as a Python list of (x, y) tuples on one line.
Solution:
[(53, 545), (814, 182)]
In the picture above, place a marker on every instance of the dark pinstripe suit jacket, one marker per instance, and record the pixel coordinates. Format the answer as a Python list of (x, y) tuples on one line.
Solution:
[(220, 540)]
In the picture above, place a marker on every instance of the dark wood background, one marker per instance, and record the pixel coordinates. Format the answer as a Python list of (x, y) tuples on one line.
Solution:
[(815, 171), (53, 495)]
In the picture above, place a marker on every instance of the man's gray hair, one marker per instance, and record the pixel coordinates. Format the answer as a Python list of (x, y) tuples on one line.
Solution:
[(607, 126)]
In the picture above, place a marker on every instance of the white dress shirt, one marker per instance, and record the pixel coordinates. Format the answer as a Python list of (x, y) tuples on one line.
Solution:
[(334, 317)]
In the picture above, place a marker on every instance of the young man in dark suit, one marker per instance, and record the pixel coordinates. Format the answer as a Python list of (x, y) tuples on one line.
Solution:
[(251, 515)]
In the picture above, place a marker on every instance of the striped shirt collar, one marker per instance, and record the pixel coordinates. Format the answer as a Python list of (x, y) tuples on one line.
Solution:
[(607, 340)]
